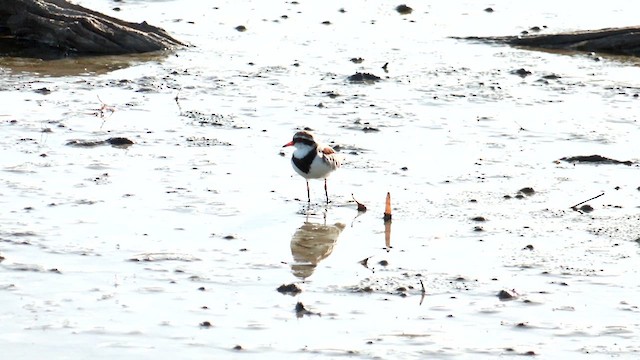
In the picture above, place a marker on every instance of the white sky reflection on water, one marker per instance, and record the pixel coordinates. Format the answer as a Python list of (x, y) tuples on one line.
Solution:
[(217, 221)]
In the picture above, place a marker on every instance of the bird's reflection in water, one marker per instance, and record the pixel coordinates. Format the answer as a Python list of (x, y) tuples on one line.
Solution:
[(310, 244)]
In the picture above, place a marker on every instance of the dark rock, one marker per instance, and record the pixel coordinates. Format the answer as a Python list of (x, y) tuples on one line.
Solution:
[(49, 29), (119, 141), (241, 28), (521, 72), (507, 295), (364, 78), (291, 289), (404, 9), (527, 191), (618, 41), (586, 208), (85, 143), (114, 141), (595, 159), (302, 311), (42, 91)]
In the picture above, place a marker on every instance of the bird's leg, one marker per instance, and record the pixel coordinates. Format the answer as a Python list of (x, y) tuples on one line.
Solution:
[(325, 190), (308, 193)]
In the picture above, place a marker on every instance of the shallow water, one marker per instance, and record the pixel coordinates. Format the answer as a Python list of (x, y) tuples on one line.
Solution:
[(128, 252)]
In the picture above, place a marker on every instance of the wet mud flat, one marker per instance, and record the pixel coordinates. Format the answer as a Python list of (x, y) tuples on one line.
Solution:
[(149, 210)]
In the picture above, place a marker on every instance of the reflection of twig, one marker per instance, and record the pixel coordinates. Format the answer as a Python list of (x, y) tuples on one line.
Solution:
[(177, 99), (575, 207), (424, 292), (387, 235), (361, 210)]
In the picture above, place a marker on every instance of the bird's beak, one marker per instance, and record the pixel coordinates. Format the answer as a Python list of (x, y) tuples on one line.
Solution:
[(290, 143)]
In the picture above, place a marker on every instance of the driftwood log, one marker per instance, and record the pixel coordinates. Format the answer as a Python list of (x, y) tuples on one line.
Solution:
[(616, 41), (57, 28)]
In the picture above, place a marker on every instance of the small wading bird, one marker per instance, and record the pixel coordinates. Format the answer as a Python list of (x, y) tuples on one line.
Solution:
[(312, 160)]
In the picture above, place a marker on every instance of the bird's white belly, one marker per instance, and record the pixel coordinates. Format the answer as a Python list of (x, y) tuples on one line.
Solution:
[(319, 169)]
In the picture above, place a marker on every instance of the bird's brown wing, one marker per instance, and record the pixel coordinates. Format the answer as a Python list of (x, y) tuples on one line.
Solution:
[(328, 150)]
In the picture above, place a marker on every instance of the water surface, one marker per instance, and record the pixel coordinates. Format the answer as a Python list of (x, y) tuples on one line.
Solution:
[(175, 246)]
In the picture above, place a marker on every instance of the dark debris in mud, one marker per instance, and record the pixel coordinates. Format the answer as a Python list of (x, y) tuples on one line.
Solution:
[(527, 191), (586, 208), (361, 126), (404, 9), (364, 262), (101, 179), (521, 194), (121, 142), (15, 242), (403, 286), (521, 72), (31, 268), (302, 311), (212, 119), (290, 289), (205, 142), (507, 295), (364, 78), (163, 257), (526, 353), (595, 159)]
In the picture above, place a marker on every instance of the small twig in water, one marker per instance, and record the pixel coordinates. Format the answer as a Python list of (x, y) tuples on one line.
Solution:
[(103, 108), (361, 207), (177, 99), (575, 207)]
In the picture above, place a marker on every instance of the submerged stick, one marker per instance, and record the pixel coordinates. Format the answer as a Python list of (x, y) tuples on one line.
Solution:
[(575, 207)]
